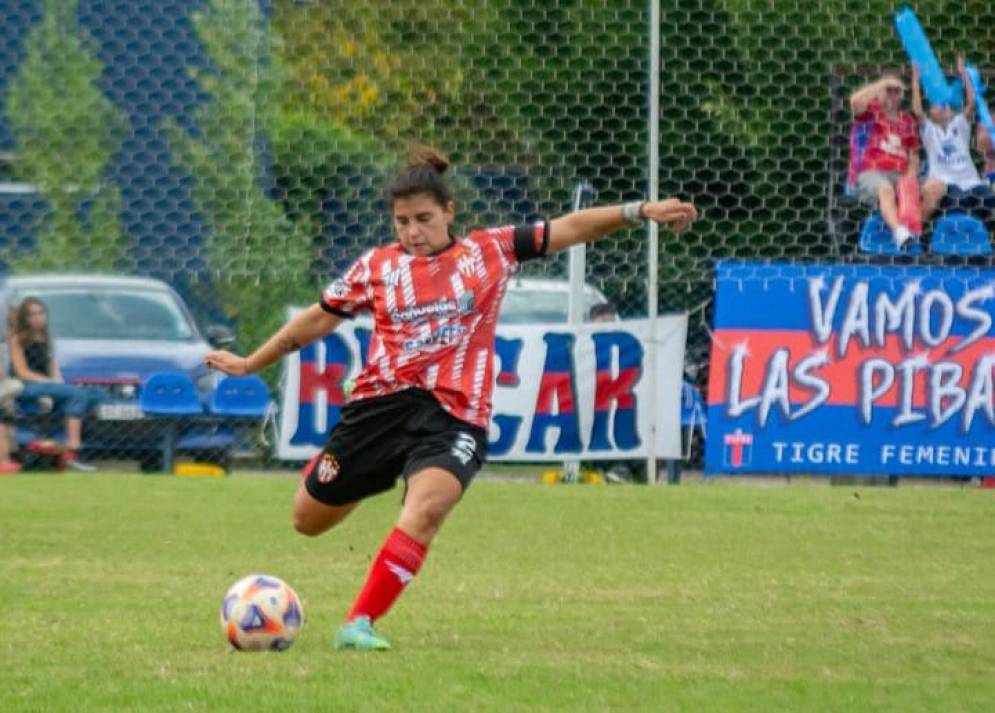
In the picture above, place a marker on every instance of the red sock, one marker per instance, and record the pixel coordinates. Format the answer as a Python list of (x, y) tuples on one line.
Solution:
[(397, 564)]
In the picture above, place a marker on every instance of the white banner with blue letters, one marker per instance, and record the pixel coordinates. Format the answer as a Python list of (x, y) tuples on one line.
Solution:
[(560, 392)]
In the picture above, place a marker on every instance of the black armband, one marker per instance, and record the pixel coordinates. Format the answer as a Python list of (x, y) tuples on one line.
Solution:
[(336, 311), (531, 241)]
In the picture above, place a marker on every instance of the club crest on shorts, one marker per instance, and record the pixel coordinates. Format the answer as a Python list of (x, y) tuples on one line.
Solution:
[(328, 468)]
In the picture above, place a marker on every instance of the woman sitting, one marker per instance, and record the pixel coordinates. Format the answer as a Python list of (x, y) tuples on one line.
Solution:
[(32, 361)]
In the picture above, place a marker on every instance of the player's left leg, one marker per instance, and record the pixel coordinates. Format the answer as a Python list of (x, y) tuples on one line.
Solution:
[(431, 495)]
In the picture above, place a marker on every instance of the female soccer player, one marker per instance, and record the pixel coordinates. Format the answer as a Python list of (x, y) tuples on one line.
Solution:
[(421, 405)]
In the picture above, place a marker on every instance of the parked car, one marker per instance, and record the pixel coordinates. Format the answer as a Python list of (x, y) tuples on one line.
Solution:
[(111, 333), (532, 300)]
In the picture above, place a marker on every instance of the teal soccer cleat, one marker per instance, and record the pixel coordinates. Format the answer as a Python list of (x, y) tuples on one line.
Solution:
[(358, 634)]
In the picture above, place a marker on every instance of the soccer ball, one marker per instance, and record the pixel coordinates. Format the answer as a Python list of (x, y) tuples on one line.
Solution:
[(261, 613)]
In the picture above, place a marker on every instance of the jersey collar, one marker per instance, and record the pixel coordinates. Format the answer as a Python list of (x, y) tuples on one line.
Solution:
[(444, 248)]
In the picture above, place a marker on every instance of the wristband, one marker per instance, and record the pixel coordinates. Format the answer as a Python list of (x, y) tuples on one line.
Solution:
[(632, 212)]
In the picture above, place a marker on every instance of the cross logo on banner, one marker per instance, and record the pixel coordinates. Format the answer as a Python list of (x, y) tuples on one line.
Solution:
[(739, 448)]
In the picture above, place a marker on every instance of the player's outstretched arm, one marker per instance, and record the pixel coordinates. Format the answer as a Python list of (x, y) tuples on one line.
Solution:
[(300, 331), (590, 224)]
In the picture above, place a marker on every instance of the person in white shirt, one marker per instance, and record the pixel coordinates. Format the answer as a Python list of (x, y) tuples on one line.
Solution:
[(983, 141), (952, 182)]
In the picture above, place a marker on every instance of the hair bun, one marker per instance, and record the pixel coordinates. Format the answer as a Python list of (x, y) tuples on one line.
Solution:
[(420, 156)]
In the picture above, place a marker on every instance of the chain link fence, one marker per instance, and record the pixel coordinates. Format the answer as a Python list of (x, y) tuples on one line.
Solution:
[(232, 153)]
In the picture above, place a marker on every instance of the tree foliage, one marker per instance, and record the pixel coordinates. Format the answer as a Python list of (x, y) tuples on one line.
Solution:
[(258, 257), (66, 133), (400, 73)]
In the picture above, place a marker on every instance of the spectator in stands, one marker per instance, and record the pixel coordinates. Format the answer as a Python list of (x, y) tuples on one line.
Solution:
[(32, 359), (603, 312), (986, 148), (892, 148), (952, 182)]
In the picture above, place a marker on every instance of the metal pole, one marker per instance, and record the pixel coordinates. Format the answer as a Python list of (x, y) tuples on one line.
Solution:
[(652, 232), (578, 259), (583, 196)]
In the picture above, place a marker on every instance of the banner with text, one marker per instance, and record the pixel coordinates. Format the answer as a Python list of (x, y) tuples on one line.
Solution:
[(559, 392), (852, 369)]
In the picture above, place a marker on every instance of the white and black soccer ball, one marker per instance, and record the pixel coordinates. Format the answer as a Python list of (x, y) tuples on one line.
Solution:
[(261, 613)]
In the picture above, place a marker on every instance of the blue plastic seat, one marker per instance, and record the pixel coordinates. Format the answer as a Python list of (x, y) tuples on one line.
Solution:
[(240, 397), (876, 238), (170, 393), (960, 234)]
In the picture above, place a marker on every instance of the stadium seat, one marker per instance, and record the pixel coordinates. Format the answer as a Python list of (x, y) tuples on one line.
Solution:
[(960, 234), (170, 393), (170, 396), (875, 238), (241, 397)]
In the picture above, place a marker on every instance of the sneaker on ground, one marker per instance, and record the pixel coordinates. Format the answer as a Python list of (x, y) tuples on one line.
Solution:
[(10, 467), (358, 634), (901, 235), (70, 459)]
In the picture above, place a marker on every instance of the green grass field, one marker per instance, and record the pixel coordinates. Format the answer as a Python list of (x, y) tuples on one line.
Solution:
[(701, 598)]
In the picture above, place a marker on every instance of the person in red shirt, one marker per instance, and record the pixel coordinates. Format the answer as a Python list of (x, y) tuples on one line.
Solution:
[(422, 403), (892, 148)]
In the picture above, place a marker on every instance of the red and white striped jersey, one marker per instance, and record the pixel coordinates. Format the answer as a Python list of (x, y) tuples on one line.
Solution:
[(434, 316)]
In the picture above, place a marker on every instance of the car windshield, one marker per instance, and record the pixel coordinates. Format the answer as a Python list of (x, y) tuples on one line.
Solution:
[(531, 306), (119, 313)]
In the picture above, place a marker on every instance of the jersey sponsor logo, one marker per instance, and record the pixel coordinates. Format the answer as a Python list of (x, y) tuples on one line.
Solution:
[(444, 307), (419, 312), (328, 468), (443, 336), (465, 265), (464, 448), (892, 144)]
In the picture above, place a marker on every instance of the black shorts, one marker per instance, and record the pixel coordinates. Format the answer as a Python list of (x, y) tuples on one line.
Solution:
[(381, 438)]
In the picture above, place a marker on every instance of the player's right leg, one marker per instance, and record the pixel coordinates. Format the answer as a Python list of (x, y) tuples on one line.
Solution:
[(363, 457)]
